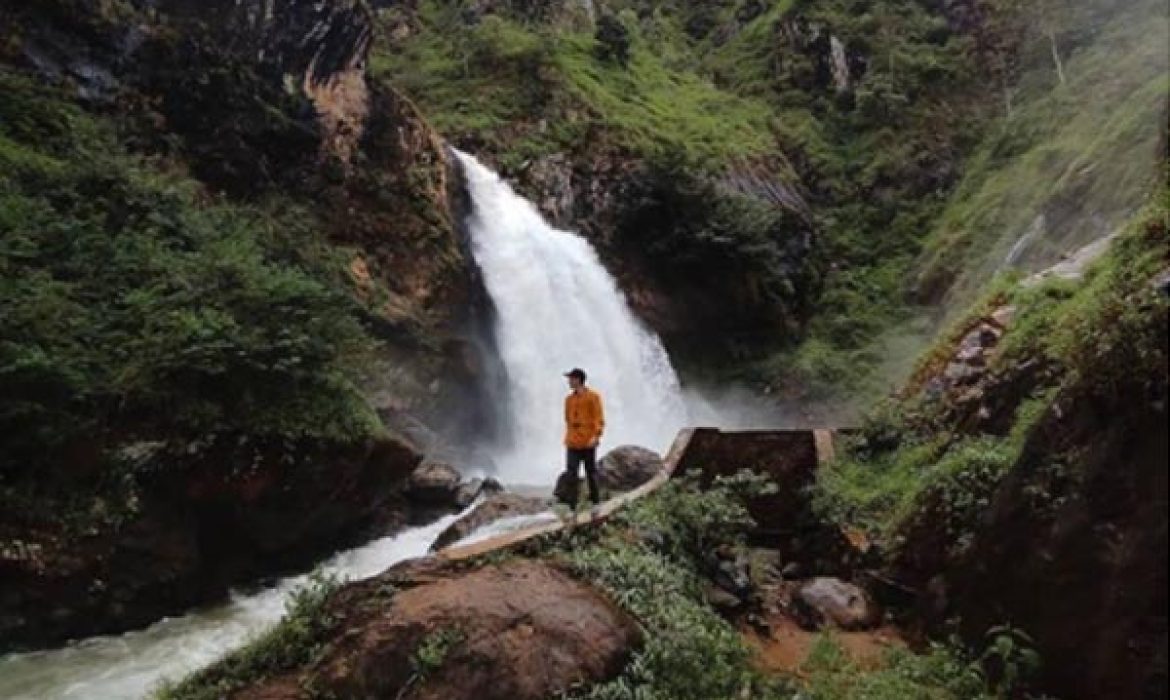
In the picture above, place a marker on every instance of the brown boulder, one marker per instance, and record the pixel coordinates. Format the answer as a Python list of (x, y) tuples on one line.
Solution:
[(495, 507), (831, 600), (628, 467), (567, 489), (516, 631), (434, 483), (468, 491)]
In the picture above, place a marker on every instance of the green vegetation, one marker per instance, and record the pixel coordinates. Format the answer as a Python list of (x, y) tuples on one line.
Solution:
[(689, 650), (877, 156), (747, 61), (648, 104), (524, 89), (880, 494), (649, 558), (1107, 334), (430, 655), (293, 642), (941, 672), (433, 650), (133, 307), (1103, 337), (1069, 163)]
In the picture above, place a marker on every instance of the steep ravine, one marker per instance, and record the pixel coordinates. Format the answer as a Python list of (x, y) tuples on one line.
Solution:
[(1041, 464), (240, 306)]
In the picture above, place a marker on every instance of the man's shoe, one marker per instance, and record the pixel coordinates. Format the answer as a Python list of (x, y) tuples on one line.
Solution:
[(595, 511)]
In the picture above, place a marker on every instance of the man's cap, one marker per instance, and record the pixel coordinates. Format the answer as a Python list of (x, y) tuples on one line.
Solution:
[(576, 372)]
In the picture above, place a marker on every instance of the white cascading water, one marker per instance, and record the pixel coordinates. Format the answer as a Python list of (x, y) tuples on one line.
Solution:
[(558, 308), (131, 665)]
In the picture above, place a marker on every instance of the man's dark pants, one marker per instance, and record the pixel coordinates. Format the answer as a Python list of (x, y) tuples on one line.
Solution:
[(574, 459)]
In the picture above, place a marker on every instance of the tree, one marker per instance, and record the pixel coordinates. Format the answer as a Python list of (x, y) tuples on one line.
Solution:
[(613, 40), (1047, 20)]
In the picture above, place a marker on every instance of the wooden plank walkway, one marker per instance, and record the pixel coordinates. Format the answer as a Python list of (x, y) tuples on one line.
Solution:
[(511, 539)]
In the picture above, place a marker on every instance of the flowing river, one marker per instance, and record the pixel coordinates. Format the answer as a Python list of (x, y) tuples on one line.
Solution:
[(129, 666)]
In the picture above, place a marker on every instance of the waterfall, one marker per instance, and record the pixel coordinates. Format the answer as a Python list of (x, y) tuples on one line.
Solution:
[(558, 308)]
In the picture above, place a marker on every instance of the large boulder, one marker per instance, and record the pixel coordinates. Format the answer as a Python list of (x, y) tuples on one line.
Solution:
[(434, 483), (468, 491), (523, 630), (844, 605), (567, 489), (495, 507), (628, 467), (730, 585)]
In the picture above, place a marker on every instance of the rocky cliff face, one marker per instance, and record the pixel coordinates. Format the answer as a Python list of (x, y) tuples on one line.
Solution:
[(1079, 564), (1068, 542), (198, 529), (260, 102), (708, 254), (257, 97)]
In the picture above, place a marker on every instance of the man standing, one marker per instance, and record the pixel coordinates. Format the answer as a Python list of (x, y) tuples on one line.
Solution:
[(584, 421)]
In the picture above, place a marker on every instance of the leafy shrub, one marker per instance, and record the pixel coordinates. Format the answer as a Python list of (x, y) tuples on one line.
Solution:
[(431, 654), (943, 672), (691, 523), (1106, 334), (690, 652), (953, 493), (433, 650), (873, 492), (130, 306), (613, 40), (696, 232)]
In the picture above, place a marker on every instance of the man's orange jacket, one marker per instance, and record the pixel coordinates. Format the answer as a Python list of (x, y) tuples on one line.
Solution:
[(584, 418)]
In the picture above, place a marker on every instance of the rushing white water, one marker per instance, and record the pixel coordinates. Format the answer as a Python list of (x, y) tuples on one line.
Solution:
[(506, 525), (558, 308), (129, 666)]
